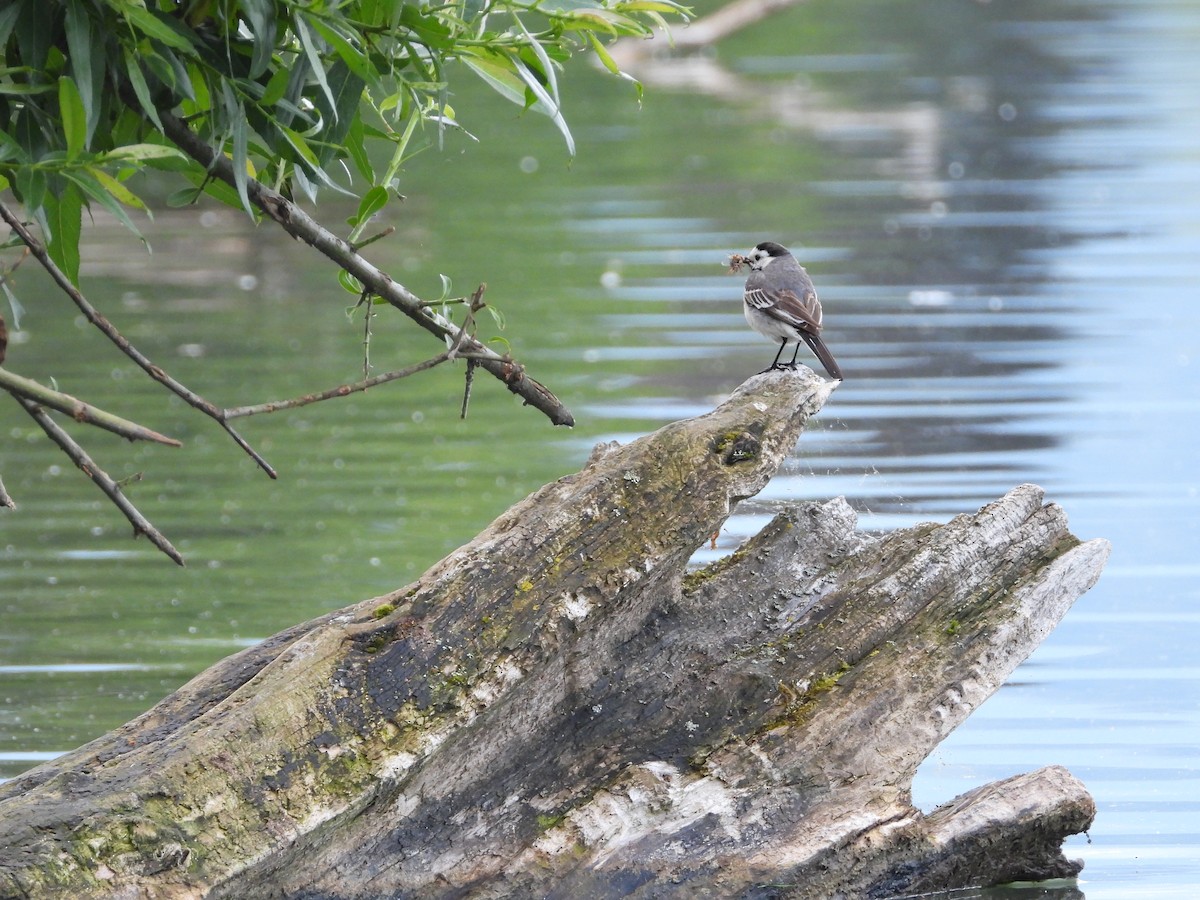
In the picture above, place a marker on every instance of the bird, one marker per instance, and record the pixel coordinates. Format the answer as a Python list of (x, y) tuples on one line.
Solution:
[(781, 304)]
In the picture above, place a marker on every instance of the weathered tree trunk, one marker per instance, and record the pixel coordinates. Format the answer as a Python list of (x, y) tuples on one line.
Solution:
[(560, 709)]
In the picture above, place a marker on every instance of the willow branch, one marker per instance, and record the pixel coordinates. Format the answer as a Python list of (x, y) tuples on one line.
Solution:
[(110, 331), (78, 410), (300, 225), (454, 352), (340, 391), (79, 456)]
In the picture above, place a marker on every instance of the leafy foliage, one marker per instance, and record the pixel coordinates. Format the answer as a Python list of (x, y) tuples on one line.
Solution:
[(292, 91)]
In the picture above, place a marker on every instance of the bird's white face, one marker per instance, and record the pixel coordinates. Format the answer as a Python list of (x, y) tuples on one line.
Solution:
[(758, 258)]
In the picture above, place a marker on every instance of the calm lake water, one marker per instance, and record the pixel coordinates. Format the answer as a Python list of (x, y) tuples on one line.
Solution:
[(1000, 206)]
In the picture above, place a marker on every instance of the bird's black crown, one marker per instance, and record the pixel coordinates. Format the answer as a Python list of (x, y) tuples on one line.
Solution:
[(773, 248)]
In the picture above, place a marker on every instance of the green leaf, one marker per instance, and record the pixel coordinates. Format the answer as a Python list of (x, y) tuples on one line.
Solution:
[(590, 19), (434, 34), (297, 79), (183, 197), (197, 80), (372, 202), (611, 64), (161, 68), (498, 75), (662, 23), (30, 184), (235, 118), (303, 183), (300, 145), (26, 127), (116, 190), (14, 304), (74, 119), (276, 87), (350, 283), (241, 163), (100, 193), (311, 167), (314, 58), (144, 152), (8, 18), (10, 148), (545, 66), (346, 90), (260, 17), (25, 90), (137, 80), (87, 67), (64, 215), (154, 27), (497, 316), (34, 32), (356, 146), (343, 46), (546, 104), (603, 55), (661, 6)]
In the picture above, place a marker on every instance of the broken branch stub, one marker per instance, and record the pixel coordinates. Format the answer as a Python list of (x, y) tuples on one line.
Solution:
[(559, 708)]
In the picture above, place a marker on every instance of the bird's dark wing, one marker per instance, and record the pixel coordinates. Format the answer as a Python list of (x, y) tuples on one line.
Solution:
[(803, 313)]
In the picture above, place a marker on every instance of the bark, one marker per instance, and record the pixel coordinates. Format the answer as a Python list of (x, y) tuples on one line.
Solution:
[(560, 708)]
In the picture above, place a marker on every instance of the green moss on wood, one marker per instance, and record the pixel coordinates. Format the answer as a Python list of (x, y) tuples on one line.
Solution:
[(800, 704), (378, 641)]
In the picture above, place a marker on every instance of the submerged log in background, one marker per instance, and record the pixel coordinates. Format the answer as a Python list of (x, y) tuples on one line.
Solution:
[(559, 708)]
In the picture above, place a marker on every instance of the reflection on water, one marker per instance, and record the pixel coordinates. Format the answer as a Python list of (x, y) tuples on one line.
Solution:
[(998, 204)]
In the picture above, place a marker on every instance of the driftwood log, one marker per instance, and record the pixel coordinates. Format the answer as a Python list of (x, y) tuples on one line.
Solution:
[(561, 709)]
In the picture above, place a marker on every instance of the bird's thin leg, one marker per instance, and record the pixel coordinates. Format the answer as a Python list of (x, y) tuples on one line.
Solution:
[(792, 364), (782, 344)]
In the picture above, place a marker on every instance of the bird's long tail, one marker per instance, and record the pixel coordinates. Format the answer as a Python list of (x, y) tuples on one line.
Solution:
[(818, 347)]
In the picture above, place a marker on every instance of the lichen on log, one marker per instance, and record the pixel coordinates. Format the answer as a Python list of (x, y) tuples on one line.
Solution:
[(559, 708)]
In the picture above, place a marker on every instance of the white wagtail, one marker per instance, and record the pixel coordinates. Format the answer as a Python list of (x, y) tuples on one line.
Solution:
[(781, 303)]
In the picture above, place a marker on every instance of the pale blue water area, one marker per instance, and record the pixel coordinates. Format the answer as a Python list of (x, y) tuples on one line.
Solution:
[(1000, 206)]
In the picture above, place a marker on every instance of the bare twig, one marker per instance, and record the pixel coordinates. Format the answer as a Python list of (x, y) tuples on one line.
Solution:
[(467, 388), (343, 390), (467, 331), (469, 326), (5, 500), (78, 410), (365, 301), (300, 225), (454, 351), (79, 456), (387, 232), (94, 316)]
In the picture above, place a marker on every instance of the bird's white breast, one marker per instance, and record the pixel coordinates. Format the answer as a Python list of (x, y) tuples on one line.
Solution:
[(767, 326)]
